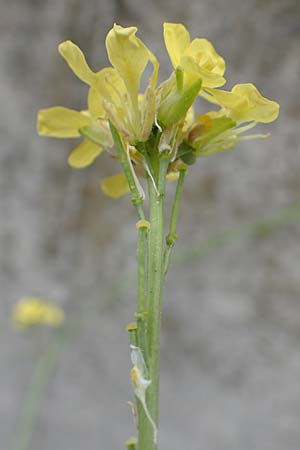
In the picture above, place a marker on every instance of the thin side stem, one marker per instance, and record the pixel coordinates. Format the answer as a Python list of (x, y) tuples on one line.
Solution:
[(43, 372), (172, 236), (136, 196), (142, 308), (141, 315)]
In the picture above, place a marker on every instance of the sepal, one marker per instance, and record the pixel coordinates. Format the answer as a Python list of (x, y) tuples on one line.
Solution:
[(177, 104)]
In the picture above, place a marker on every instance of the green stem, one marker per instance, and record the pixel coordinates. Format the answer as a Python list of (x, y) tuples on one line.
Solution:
[(138, 201), (154, 300), (172, 236)]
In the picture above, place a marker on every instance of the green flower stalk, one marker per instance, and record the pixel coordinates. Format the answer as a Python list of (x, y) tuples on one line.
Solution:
[(155, 136)]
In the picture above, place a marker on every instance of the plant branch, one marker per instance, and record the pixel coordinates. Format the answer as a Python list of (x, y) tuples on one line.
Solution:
[(172, 236), (136, 196)]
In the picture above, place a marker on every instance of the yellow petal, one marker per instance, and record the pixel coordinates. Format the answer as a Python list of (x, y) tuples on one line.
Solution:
[(115, 101), (129, 56), (245, 103), (95, 103), (229, 100), (206, 56), (189, 119), (110, 86), (84, 154), (260, 109), (115, 186), (61, 122), (177, 40), (77, 62), (148, 101), (197, 58), (193, 71)]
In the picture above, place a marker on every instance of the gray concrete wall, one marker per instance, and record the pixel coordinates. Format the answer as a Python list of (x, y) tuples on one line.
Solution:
[(231, 336)]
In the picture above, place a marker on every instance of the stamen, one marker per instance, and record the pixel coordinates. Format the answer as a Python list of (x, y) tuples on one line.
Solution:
[(247, 127)]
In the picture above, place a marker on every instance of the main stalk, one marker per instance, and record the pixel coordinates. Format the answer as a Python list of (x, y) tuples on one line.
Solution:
[(155, 269)]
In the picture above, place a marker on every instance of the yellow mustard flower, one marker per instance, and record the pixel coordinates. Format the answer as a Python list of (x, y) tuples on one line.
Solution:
[(160, 118), (197, 66), (197, 58), (115, 90), (113, 95), (240, 110), (244, 103), (31, 311), (216, 131), (62, 122)]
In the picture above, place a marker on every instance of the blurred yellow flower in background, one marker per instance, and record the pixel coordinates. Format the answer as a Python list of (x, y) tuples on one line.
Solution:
[(31, 311)]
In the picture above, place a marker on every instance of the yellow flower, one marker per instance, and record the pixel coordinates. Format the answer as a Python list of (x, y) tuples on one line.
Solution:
[(62, 122), (32, 311), (197, 66), (217, 131), (129, 56), (118, 87), (197, 58), (113, 96), (244, 103)]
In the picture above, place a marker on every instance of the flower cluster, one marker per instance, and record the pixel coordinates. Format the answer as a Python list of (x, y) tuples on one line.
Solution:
[(162, 113)]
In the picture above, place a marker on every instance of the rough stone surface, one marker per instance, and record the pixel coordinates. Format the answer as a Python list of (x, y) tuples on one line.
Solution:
[(231, 336)]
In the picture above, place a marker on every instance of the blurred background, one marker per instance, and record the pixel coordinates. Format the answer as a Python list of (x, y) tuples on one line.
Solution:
[(231, 328)]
